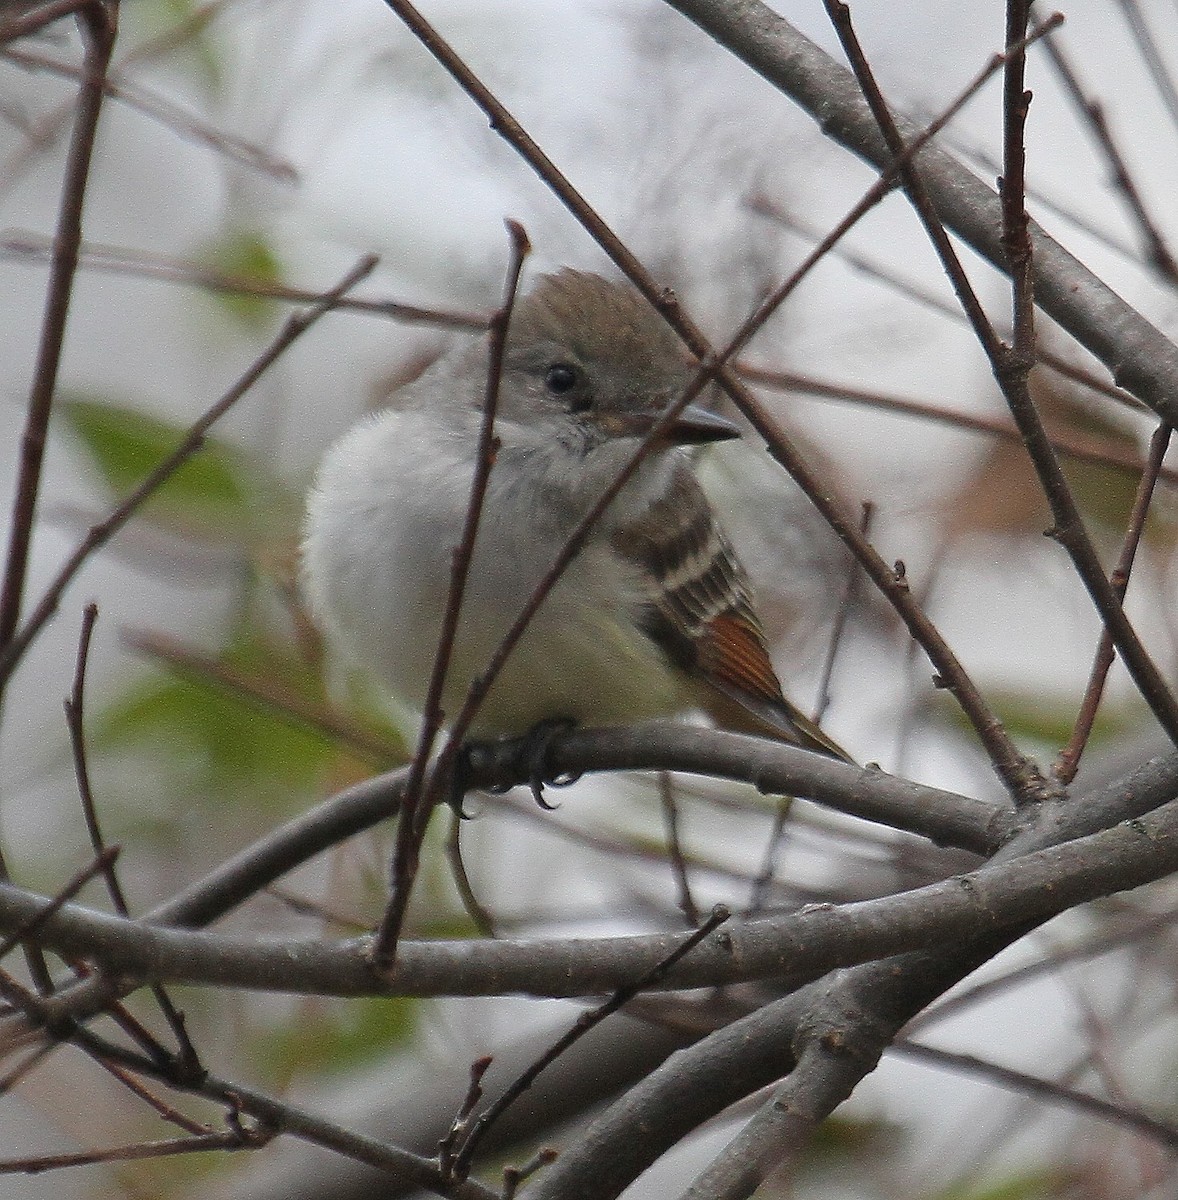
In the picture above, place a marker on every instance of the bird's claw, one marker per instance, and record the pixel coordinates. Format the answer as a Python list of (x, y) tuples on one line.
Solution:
[(531, 750)]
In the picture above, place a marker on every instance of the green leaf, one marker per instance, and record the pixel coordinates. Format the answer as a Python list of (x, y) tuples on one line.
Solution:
[(206, 494), (245, 254)]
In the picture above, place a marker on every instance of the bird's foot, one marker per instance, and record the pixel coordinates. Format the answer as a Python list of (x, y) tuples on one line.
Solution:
[(528, 754), (535, 752)]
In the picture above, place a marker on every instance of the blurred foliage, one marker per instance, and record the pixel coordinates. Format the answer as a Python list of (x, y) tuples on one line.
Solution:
[(1001, 493), (215, 492), (336, 1036), (243, 749), (246, 255), (179, 30), (1031, 716), (1046, 1184)]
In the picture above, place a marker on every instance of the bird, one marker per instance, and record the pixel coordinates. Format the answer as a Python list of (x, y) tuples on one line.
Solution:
[(654, 617)]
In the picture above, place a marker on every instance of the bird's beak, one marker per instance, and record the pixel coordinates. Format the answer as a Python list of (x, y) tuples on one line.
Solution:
[(694, 426)]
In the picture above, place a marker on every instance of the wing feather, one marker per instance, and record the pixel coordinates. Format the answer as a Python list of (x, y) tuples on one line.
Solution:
[(699, 609)]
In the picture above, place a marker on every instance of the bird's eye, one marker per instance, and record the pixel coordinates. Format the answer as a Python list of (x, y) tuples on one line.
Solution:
[(561, 378)]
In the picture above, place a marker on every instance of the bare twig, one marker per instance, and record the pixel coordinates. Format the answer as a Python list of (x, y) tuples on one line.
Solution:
[(36, 20), (846, 603), (231, 1139), (170, 115), (27, 929), (462, 1119), (99, 24), (770, 209), (1152, 57), (1157, 251), (584, 1023), (121, 260), (188, 1059), (418, 798), (483, 921), (1066, 763), (1126, 1116), (687, 905), (1074, 444), (1139, 356)]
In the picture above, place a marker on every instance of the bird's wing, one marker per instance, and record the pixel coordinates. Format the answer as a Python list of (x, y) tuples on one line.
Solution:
[(699, 609)]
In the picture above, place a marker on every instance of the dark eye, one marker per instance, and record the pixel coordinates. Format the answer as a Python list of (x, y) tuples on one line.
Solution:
[(561, 378)]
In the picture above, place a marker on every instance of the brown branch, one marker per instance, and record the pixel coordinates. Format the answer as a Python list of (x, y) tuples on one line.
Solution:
[(1068, 758), (1073, 444), (170, 115), (121, 260), (766, 207), (188, 1059), (418, 798), (98, 23), (1127, 1117), (1157, 252), (670, 809), (478, 913), (36, 20), (231, 1139)]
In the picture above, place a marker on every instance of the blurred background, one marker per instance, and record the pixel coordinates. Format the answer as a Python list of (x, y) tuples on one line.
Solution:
[(250, 147)]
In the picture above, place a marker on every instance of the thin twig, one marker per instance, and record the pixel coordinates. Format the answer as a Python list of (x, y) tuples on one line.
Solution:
[(763, 882), (417, 800), (121, 260), (584, 1023), (478, 913), (1162, 1132), (188, 1059), (99, 24), (1073, 444), (1068, 760), (687, 905), (164, 1110), (771, 210), (1157, 252), (36, 20), (231, 1139), (168, 114), (98, 27), (462, 1119), (294, 327), (1154, 62), (28, 929), (846, 603)]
